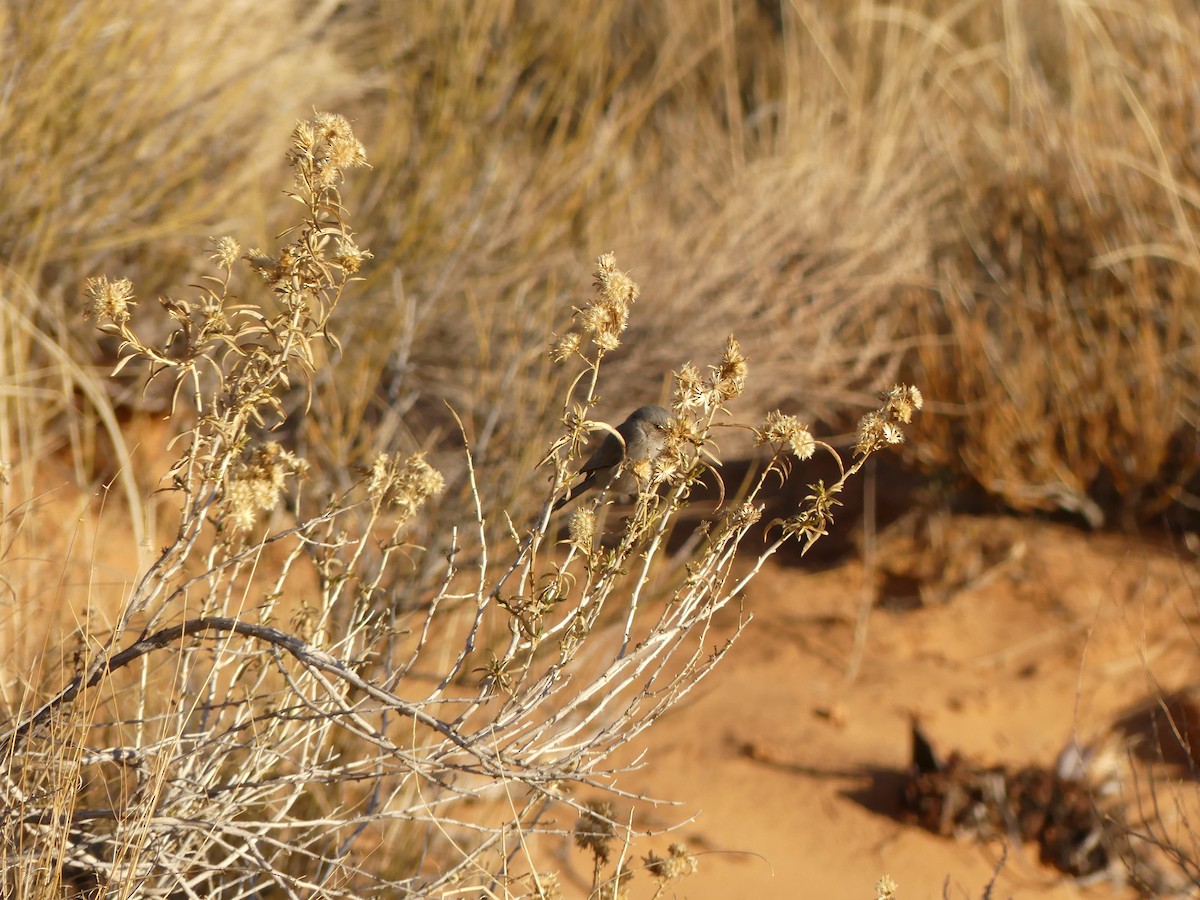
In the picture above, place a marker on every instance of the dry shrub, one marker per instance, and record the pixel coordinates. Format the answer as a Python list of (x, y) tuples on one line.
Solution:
[(1067, 270), (285, 702)]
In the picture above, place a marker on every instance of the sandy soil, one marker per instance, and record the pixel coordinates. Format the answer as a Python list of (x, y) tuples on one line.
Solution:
[(1029, 634), (1005, 637)]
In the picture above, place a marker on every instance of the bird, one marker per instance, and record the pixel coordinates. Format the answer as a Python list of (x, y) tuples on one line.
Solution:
[(642, 438)]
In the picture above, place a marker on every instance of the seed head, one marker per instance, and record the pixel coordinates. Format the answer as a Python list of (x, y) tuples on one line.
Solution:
[(405, 484), (870, 434), (255, 485), (581, 528), (109, 301), (323, 149), (690, 392), (780, 430), (886, 887), (605, 322), (228, 251), (594, 829), (607, 316), (566, 346), (901, 402), (613, 285), (349, 255), (678, 863), (729, 380)]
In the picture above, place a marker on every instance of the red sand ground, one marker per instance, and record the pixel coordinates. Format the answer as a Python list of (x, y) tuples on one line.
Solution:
[(1036, 633)]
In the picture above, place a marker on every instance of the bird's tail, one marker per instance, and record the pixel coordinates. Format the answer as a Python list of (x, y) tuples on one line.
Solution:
[(573, 493)]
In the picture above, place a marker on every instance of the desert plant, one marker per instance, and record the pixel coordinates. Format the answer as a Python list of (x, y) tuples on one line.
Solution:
[(129, 129), (276, 708), (1064, 277)]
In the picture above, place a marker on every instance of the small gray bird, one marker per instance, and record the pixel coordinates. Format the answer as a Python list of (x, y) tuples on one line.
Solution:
[(611, 466)]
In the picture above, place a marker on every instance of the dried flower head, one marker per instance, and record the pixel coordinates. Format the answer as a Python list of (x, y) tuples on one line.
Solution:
[(886, 887), (109, 301), (275, 271), (349, 255), (607, 316), (605, 322), (781, 430), (680, 439), (667, 467), (690, 392), (893, 433), (724, 382), (323, 149), (686, 431), (594, 829), (5, 472), (546, 886), (404, 484), (876, 431), (254, 486), (581, 528), (678, 863), (901, 402), (304, 135), (870, 435), (729, 380), (336, 137), (613, 285), (566, 346), (228, 252)]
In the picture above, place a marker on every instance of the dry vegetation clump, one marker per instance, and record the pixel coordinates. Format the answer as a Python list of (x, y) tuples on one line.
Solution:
[(998, 199), (696, 141), (285, 703), (1066, 276), (1077, 814), (130, 130)]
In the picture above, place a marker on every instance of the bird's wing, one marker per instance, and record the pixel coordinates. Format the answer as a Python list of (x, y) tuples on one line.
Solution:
[(610, 452)]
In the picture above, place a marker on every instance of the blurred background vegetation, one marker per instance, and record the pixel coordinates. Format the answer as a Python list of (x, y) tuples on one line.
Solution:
[(996, 201)]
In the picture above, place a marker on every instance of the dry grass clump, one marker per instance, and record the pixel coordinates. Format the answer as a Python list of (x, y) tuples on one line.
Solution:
[(1066, 276), (125, 123), (1010, 174), (1000, 197), (696, 139), (286, 703)]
